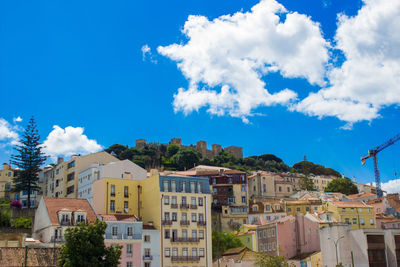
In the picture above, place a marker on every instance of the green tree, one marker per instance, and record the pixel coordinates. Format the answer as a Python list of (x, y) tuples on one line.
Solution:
[(5, 213), (306, 184), (29, 158), (117, 149), (221, 242), (172, 149), (84, 247), (186, 159), (308, 167), (266, 260), (342, 185)]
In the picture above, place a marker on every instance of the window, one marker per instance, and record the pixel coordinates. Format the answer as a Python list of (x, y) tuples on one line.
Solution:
[(166, 200), (362, 221), (307, 208), (288, 189), (243, 188), (192, 187), (70, 190), (166, 187), (254, 188), (129, 264), (184, 187), (126, 191), (184, 216), (194, 233), (166, 216), (354, 220), (201, 252), (147, 252), (194, 252), (264, 188), (184, 252), (371, 221), (129, 250), (347, 220), (193, 201), (276, 207), (129, 231), (201, 217), (114, 230), (201, 234), (173, 186), (167, 252), (126, 206), (214, 181), (230, 180), (343, 209), (184, 200), (231, 200), (297, 209), (71, 164), (243, 199), (280, 189), (267, 207), (255, 208), (70, 176), (215, 190), (174, 200), (166, 234), (289, 209), (146, 238), (175, 252), (174, 216), (194, 217), (112, 205), (200, 201), (112, 190)]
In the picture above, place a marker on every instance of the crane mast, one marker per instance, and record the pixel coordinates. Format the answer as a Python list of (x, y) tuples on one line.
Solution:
[(373, 153)]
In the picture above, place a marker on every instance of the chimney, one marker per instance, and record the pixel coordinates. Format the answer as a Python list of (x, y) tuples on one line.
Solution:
[(60, 160)]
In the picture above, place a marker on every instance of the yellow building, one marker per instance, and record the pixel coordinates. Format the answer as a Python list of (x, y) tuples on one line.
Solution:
[(6, 181), (247, 234), (301, 206), (181, 208), (321, 182), (62, 180), (358, 214)]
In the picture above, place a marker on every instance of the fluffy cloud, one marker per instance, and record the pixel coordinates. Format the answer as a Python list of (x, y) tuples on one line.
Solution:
[(392, 186), (69, 141), (17, 119), (369, 78), (8, 133), (225, 59)]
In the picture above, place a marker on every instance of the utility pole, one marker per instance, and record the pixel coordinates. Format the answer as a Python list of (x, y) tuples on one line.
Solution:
[(336, 244)]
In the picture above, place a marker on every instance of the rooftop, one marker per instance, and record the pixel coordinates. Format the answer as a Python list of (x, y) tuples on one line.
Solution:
[(361, 195), (349, 204), (118, 217)]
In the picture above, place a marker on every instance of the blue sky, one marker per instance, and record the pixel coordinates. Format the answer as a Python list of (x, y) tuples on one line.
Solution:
[(81, 64)]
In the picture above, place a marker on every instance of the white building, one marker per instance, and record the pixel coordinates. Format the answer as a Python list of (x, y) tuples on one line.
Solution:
[(151, 246), (125, 169)]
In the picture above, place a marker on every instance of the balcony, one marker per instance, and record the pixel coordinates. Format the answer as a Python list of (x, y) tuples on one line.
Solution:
[(147, 257), (57, 239), (166, 222), (185, 222), (201, 223), (185, 258), (174, 206), (184, 206), (68, 222), (121, 236), (193, 206), (185, 240)]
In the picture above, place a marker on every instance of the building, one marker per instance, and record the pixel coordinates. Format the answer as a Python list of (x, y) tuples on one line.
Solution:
[(364, 247), (180, 206), (54, 215), (387, 221), (125, 231), (6, 180), (140, 143), (247, 234), (266, 211), (321, 181), (122, 170), (151, 246), (261, 186), (358, 214), (62, 180), (237, 151), (294, 207), (363, 188), (237, 257), (364, 197)]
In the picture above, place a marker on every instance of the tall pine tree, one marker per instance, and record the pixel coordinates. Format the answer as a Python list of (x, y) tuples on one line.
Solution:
[(29, 157)]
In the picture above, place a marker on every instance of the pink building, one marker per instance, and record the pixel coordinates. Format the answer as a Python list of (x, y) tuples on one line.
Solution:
[(125, 231), (289, 236)]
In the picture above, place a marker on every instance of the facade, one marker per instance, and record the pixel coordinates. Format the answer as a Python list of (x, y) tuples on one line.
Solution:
[(302, 206), (364, 247), (180, 206), (54, 215), (123, 170), (125, 231), (6, 176), (266, 211), (247, 234), (321, 181), (62, 180), (237, 257), (358, 214), (151, 246), (235, 150), (364, 197)]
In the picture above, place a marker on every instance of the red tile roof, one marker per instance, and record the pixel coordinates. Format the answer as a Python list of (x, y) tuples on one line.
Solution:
[(118, 217), (148, 227), (350, 204), (54, 205), (366, 194)]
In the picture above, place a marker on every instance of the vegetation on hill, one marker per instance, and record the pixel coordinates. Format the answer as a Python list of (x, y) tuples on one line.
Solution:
[(222, 241), (174, 157)]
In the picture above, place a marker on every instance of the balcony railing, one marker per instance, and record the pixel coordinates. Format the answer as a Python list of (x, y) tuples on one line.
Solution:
[(201, 223), (174, 206), (193, 206), (121, 236), (166, 222), (185, 222), (185, 258), (57, 239), (184, 206), (185, 240), (65, 222), (147, 257)]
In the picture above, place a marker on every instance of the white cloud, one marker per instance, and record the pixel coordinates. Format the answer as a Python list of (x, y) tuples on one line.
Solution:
[(392, 186), (225, 59), (69, 141), (147, 54), (17, 119), (369, 78), (8, 133)]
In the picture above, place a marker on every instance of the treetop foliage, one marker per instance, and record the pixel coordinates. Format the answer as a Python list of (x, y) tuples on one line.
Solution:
[(342, 185), (308, 167)]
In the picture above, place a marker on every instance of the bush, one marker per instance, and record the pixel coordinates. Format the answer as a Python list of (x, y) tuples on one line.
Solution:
[(22, 222)]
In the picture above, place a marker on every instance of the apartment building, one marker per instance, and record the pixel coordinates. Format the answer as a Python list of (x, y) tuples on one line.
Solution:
[(321, 181), (62, 180), (266, 211), (302, 206), (125, 231), (6, 176), (180, 206), (247, 234), (151, 246), (358, 214)]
